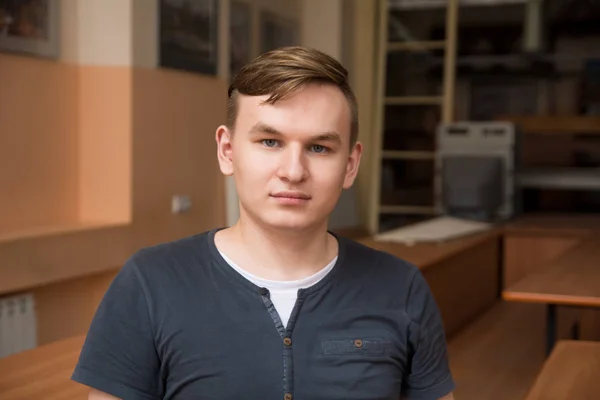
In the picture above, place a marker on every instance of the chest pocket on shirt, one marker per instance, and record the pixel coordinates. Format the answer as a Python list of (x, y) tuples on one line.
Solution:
[(356, 365), (357, 346)]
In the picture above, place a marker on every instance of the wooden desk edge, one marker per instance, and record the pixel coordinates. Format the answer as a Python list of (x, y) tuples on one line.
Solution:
[(567, 225), (30, 357), (455, 246), (562, 347), (53, 363), (513, 293), (542, 298), (548, 232), (476, 240)]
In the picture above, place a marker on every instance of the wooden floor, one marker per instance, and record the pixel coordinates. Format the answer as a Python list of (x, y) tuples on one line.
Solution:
[(499, 356)]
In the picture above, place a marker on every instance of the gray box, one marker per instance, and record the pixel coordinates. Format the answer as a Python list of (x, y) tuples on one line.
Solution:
[(475, 170)]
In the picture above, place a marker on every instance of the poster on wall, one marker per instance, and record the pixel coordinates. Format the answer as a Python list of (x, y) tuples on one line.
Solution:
[(241, 33), (29, 27), (188, 32), (277, 31)]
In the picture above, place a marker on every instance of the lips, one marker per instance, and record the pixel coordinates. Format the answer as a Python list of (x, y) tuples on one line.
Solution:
[(292, 195)]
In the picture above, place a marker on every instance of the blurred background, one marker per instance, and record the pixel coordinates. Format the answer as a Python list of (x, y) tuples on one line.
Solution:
[(481, 126)]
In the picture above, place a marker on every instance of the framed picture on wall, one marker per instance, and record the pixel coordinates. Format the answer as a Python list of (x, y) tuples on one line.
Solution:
[(188, 31), (277, 31), (241, 35), (30, 27)]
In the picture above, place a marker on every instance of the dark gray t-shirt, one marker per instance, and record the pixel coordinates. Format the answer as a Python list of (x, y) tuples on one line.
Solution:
[(179, 323)]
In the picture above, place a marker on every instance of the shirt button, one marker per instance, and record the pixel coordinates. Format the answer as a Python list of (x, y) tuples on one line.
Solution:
[(288, 396), (288, 342), (264, 291), (358, 343)]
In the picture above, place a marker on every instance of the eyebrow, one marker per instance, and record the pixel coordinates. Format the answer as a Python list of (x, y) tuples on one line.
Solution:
[(329, 136)]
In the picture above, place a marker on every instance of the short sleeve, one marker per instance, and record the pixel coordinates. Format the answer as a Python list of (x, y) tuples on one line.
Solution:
[(119, 356), (429, 376)]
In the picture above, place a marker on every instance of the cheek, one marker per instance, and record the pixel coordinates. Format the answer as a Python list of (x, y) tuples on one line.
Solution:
[(329, 177), (250, 167)]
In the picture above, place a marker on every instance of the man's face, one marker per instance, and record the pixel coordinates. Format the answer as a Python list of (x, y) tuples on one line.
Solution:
[(290, 160)]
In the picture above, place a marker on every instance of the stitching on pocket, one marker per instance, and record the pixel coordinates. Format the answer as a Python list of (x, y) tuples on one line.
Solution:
[(355, 346)]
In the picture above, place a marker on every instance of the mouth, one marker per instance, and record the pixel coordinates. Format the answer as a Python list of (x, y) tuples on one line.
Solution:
[(291, 198)]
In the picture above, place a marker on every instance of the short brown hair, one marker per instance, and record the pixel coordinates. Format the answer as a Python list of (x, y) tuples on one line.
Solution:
[(281, 72)]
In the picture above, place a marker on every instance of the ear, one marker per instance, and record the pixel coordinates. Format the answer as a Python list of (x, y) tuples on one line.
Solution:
[(224, 150), (353, 164)]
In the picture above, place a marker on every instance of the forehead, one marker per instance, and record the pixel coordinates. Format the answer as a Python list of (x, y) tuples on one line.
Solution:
[(315, 108)]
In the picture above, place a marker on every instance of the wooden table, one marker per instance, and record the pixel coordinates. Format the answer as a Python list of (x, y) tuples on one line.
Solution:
[(43, 373), (571, 372), (554, 224), (571, 280), (424, 255), (463, 274), (534, 241)]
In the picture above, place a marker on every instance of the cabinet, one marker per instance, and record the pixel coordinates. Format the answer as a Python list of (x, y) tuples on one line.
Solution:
[(560, 163)]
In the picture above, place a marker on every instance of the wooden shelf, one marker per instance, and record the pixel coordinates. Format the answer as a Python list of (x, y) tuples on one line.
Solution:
[(561, 178), (413, 100), (408, 195), (56, 229), (395, 107), (407, 155), (555, 125), (409, 210), (417, 45)]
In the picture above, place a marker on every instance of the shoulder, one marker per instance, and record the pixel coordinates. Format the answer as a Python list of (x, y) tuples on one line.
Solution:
[(171, 257), (378, 262), (388, 275), (381, 270), (186, 246)]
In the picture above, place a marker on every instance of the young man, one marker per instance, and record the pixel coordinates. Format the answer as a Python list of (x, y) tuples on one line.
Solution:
[(274, 307)]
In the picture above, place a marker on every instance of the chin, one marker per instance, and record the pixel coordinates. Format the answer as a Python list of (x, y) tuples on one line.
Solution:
[(282, 224), (285, 219), (288, 221)]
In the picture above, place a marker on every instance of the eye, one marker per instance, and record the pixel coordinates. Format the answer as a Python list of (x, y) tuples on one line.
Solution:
[(269, 142), (319, 149)]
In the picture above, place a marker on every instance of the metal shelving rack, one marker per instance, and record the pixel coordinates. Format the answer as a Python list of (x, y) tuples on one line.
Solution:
[(444, 100)]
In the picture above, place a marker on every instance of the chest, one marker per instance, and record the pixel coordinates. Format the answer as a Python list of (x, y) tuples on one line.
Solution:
[(230, 350)]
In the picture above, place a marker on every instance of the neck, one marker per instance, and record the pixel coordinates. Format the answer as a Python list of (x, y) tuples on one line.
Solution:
[(283, 254)]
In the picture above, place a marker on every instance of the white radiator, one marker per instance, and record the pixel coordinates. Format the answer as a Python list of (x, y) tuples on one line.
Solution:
[(18, 328)]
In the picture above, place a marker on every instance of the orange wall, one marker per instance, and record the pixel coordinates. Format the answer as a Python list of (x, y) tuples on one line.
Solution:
[(140, 136), (65, 153), (105, 130), (38, 142), (175, 116)]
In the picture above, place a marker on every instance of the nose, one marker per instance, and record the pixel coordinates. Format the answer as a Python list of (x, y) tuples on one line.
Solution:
[(293, 165)]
